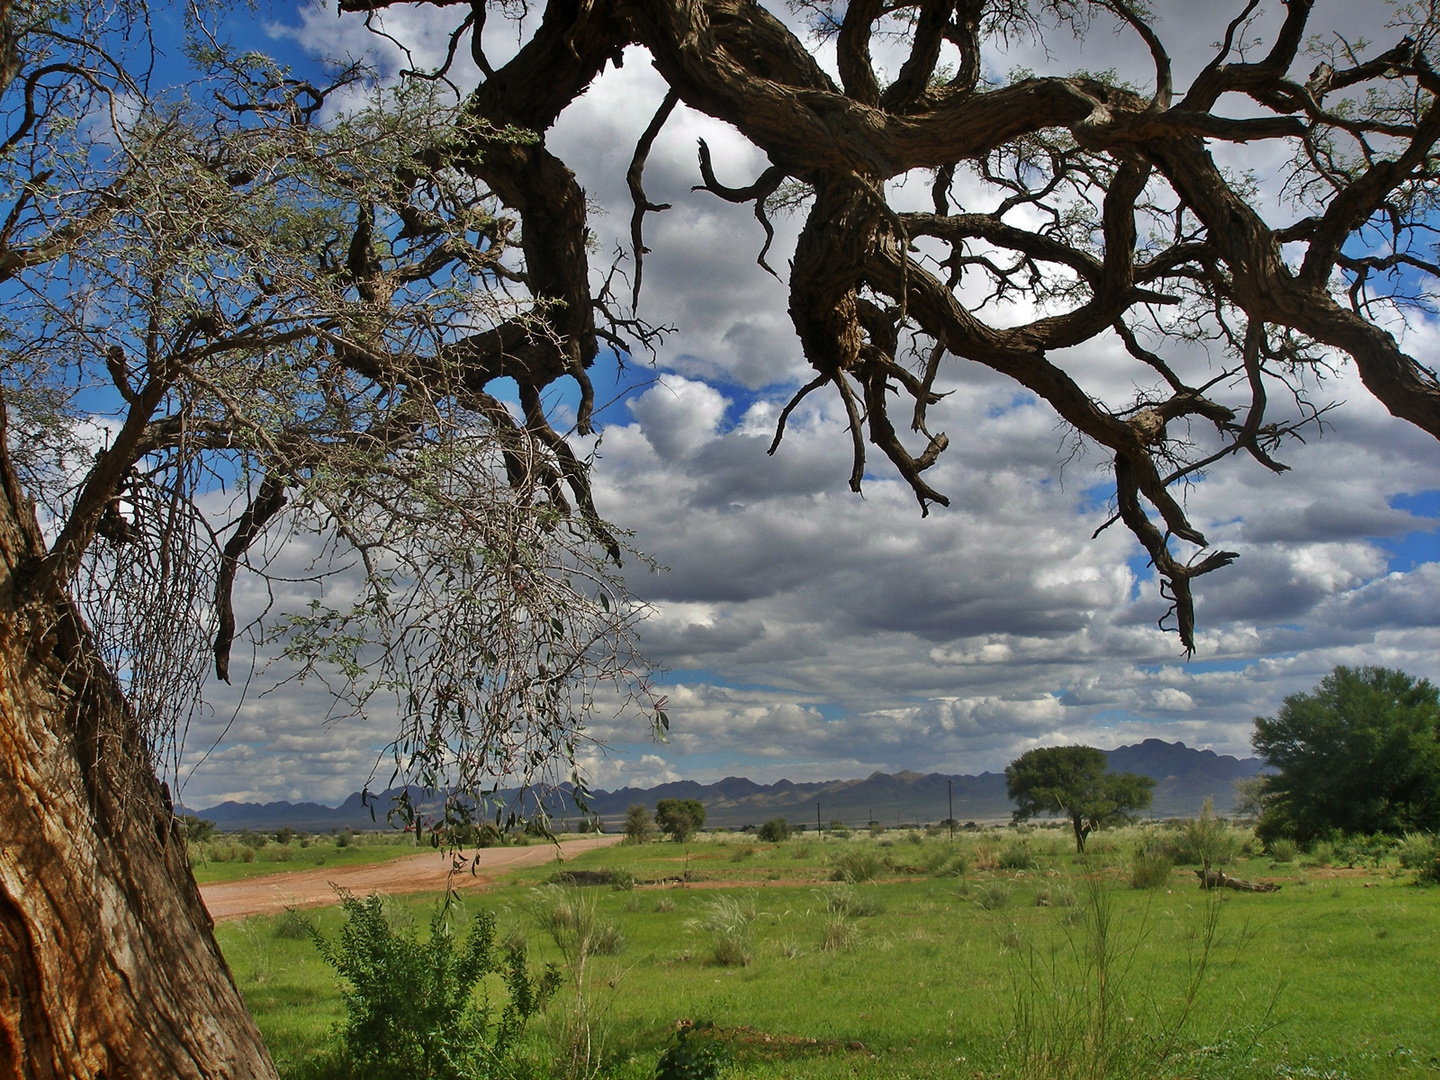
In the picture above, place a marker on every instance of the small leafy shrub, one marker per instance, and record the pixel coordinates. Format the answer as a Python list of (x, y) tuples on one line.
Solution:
[(774, 831), (857, 864), (1321, 854), (876, 829), (801, 850), (693, 1054), (621, 880), (1017, 855), (743, 852), (1363, 850), (993, 895), (1283, 849), (1150, 867), (1421, 853), (915, 837), (342, 839), (408, 1007), (283, 853), (247, 854)]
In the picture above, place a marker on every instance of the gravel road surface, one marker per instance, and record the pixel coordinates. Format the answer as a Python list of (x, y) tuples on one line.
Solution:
[(427, 872)]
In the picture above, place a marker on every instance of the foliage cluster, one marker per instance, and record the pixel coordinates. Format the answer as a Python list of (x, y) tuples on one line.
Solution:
[(775, 831), (639, 826), (1358, 755), (680, 819), (1073, 781), (410, 1004)]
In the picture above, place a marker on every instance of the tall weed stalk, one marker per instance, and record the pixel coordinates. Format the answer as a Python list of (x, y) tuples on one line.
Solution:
[(1082, 1010)]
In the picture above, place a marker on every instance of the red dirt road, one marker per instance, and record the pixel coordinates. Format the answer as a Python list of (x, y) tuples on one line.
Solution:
[(427, 872)]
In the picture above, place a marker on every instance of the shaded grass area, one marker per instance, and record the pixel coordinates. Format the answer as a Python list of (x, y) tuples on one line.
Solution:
[(919, 974)]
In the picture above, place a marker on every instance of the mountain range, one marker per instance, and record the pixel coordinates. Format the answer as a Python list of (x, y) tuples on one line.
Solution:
[(1184, 778)]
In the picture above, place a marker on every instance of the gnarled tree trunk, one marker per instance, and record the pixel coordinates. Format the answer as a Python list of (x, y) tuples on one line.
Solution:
[(108, 965)]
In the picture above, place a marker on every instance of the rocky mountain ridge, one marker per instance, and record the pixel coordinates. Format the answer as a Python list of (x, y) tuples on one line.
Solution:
[(1184, 777)]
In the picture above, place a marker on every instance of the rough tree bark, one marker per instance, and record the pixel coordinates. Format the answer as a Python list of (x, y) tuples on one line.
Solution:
[(109, 969)]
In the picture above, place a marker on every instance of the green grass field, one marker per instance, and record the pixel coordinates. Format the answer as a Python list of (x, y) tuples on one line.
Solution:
[(226, 859), (924, 972)]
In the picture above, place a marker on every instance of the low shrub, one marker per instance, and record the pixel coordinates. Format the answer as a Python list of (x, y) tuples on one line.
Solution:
[(774, 831), (693, 1054), (291, 924), (838, 932), (1283, 850), (993, 895), (409, 1008), (857, 864), (849, 901), (943, 863), (1150, 867), (1421, 853), (1017, 855)]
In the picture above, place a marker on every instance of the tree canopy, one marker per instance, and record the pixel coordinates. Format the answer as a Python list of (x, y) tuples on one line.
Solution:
[(680, 818), (1358, 754), (1102, 204), (1074, 781)]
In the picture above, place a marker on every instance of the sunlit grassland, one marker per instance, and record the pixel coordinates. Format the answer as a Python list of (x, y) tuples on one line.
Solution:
[(225, 859), (920, 975)]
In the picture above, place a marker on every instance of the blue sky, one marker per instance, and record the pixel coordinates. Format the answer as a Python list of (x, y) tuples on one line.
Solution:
[(813, 633)]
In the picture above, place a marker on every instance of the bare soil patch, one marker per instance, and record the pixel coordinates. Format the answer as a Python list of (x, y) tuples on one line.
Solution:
[(430, 871)]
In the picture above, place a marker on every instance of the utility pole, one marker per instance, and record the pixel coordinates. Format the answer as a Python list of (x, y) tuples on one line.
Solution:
[(818, 831), (950, 794)]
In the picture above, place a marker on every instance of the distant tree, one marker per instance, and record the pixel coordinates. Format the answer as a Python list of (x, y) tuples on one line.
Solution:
[(197, 829), (1073, 781), (774, 830), (638, 826), (680, 819), (1358, 754)]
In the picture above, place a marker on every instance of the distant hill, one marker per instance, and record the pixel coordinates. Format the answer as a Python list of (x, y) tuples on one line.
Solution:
[(1184, 778)]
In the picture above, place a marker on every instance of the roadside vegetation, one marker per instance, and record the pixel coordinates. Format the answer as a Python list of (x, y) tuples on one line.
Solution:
[(908, 953)]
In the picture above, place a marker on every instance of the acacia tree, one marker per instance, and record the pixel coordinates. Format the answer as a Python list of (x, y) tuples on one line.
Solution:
[(1072, 781), (680, 818), (1100, 203), (230, 332), (1358, 754)]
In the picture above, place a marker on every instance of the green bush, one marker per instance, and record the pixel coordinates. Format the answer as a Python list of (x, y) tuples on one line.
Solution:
[(689, 1057), (1017, 856), (639, 829), (1421, 853), (1150, 867), (409, 1008), (774, 831), (857, 864), (1283, 849)]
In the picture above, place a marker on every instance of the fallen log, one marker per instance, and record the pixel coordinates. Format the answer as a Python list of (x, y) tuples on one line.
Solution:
[(1217, 879)]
